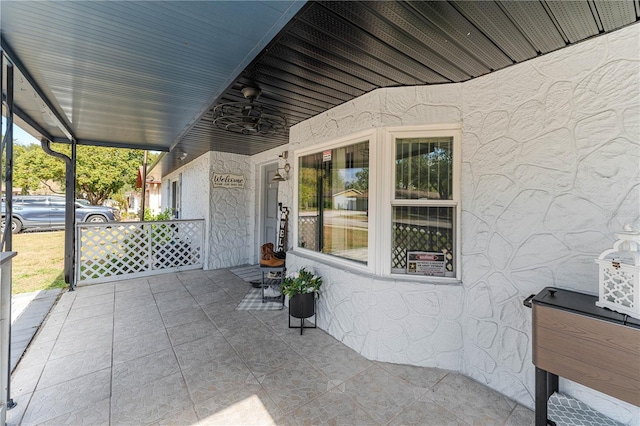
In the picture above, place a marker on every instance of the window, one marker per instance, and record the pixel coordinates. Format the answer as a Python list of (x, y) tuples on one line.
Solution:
[(174, 196), (58, 201), (423, 219), (333, 202), (388, 201)]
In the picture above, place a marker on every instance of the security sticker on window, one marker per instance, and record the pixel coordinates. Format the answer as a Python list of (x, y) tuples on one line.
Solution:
[(426, 263)]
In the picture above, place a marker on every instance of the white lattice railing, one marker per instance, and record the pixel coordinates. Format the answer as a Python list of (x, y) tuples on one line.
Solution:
[(109, 252)]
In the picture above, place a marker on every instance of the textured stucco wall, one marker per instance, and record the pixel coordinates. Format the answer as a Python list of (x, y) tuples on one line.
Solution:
[(390, 320), (195, 186), (551, 153), (551, 156), (231, 213), (387, 319)]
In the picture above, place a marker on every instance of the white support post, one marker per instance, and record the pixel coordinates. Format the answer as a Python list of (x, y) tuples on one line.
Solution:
[(5, 333)]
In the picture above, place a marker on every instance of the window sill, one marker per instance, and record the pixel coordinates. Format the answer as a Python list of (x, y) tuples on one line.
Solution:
[(424, 279), (363, 271)]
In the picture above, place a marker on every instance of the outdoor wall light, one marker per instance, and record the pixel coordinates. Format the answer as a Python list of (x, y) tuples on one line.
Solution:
[(287, 168), (182, 155)]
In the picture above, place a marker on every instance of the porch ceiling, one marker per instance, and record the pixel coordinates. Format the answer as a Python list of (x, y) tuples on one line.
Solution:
[(147, 74)]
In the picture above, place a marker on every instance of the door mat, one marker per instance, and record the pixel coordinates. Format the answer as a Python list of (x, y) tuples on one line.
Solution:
[(252, 301), (253, 274), (247, 273)]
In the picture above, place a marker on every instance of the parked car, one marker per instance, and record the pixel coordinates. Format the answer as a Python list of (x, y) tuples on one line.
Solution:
[(48, 212)]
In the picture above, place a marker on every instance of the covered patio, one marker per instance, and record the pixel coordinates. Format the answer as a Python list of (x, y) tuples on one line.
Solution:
[(528, 109), (173, 349)]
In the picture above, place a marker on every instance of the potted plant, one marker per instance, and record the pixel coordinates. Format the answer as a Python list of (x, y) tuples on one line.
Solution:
[(301, 287)]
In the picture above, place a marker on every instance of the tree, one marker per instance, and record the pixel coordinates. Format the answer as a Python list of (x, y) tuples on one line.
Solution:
[(34, 169), (426, 172), (440, 166), (101, 172), (308, 188), (362, 179)]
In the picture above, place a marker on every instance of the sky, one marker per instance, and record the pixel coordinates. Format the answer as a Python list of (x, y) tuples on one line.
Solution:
[(20, 136)]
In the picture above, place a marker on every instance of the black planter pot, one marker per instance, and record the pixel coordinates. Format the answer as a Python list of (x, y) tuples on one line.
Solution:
[(302, 306)]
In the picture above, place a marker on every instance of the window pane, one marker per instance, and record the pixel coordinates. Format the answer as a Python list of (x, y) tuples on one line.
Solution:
[(424, 168), (334, 198), (308, 204), (426, 229), (57, 201)]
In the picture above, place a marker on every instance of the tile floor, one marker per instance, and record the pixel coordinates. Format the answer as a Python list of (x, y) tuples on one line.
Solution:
[(28, 311), (172, 349)]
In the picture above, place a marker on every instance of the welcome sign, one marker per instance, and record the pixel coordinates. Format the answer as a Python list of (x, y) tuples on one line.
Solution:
[(228, 180)]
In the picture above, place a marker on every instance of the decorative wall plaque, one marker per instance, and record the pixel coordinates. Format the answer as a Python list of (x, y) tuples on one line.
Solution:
[(228, 180)]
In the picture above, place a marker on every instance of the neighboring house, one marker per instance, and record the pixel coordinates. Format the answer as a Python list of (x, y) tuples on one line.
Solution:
[(15, 191), (544, 172), (348, 200), (153, 194), (49, 187)]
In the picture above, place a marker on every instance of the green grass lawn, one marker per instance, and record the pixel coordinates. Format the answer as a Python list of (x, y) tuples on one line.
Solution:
[(39, 264), (340, 239)]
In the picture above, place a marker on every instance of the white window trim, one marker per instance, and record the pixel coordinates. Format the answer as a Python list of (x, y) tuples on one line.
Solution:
[(177, 195), (368, 135), (429, 131), (381, 198)]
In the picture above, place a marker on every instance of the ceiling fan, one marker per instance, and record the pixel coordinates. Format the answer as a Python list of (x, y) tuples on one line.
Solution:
[(250, 117)]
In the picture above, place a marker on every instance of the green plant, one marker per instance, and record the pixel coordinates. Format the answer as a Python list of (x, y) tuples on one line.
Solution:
[(166, 214), (121, 200), (302, 282)]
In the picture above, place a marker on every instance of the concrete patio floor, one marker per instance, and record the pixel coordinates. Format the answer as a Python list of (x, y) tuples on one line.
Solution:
[(172, 349)]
